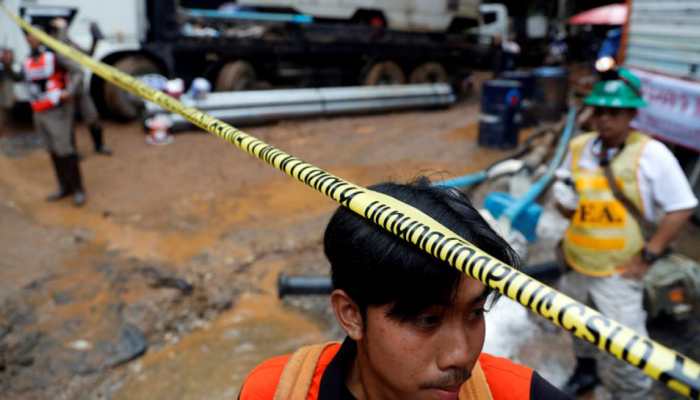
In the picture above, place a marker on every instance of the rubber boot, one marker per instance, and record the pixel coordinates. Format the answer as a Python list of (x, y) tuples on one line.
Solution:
[(98, 140), (75, 179), (584, 377), (60, 169)]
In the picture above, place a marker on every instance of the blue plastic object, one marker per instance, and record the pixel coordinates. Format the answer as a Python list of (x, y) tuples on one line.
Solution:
[(251, 15), (464, 181), (550, 72), (500, 108), (550, 97), (526, 79), (611, 44), (524, 213), (497, 203)]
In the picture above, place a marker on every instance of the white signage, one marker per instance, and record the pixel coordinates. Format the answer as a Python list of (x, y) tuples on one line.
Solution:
[(673, 113)]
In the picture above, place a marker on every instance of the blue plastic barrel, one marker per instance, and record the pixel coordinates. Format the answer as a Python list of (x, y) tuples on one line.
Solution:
[(500, 113), (551, 93), (526, 79)]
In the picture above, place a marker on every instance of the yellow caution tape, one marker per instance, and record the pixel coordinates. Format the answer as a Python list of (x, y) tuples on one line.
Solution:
[(677, 371)]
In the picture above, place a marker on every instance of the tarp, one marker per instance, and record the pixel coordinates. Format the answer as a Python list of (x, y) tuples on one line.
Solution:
[(613, 14)]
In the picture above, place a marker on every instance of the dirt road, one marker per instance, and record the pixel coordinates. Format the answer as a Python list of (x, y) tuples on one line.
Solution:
[(174, 236)]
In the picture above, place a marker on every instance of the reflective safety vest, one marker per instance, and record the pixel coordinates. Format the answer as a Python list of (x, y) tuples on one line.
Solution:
[(47, 81), (603, 234), (298, 377)]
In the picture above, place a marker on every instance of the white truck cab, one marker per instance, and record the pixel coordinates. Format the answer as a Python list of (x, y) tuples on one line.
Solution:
[(493, 21)]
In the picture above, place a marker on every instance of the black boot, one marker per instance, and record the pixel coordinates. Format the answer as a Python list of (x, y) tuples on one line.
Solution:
[(584, 377), (60, 169), (98, 140), (75, 179)]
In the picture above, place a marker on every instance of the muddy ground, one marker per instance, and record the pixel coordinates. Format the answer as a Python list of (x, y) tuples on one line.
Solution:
[(164, 284)]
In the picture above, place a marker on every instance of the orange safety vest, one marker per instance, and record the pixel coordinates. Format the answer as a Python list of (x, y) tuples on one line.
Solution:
[(298, 377), (48, 81)]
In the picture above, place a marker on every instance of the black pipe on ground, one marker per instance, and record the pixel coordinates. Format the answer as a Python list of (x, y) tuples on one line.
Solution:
[(303, 285)]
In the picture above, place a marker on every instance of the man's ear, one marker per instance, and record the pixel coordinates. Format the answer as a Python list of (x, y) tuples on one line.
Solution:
[(348, 314)]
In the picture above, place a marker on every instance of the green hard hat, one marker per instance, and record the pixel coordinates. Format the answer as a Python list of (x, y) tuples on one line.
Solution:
[(623, 92)]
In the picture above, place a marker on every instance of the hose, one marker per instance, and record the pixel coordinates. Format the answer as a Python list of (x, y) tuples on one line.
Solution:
[(483, 175), (514, 210)]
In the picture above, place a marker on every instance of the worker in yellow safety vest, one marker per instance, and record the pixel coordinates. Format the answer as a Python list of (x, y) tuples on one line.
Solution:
[(604, 246)]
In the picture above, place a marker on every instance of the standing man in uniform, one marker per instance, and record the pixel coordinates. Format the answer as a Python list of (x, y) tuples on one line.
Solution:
[(604, 245), (53, 83), (86, 106), (415, 325)]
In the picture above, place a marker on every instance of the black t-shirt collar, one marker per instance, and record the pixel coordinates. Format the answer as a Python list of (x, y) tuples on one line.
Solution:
[(333, 380)]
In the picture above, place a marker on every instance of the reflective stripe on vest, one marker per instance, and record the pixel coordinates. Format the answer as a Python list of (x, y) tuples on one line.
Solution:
[(40, 68), (602, 234), (296, 381), (299, 377), (43, 72)]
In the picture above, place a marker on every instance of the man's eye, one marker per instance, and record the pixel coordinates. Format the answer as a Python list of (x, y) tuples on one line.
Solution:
[(428, 321), (477, 313)]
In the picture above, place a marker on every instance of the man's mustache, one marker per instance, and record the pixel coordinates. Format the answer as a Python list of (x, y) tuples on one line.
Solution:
[(450, 379)]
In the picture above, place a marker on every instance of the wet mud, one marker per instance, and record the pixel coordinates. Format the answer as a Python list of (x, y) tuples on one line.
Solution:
[(164, 284), (165, 279)]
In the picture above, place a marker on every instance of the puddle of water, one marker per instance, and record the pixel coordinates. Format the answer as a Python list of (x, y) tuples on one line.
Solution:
[(64, 298), (213, 362)]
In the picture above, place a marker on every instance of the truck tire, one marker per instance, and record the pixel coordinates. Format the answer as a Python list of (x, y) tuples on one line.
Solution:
[(235, 76), (384, 73), (430, 72), (123, 105)]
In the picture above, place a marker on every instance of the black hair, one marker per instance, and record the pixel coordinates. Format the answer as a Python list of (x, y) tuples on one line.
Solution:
[(375, 267)]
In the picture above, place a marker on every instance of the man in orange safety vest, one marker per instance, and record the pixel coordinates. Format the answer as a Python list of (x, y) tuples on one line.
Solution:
[(415, 325)]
